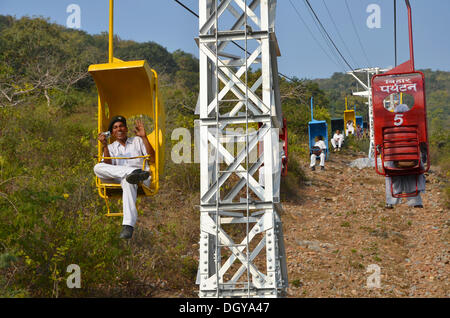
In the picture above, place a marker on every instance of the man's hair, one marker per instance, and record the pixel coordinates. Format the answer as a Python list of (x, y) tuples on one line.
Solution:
[(114, 120)]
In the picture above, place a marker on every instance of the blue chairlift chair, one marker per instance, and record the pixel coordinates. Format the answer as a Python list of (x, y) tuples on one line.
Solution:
[(337, 123), (359, 121), (317, 128)]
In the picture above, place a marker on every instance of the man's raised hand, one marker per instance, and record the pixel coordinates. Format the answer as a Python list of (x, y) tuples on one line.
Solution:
[(139, 129)]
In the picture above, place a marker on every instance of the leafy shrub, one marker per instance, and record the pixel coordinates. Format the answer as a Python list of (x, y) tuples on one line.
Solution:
[(50, 215), (357, 145)]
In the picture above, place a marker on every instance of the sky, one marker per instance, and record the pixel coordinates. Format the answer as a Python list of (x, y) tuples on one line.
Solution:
[(304, 52)]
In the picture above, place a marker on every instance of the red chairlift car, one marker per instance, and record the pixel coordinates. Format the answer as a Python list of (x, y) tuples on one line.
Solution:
[(284, 140), (401, 138)]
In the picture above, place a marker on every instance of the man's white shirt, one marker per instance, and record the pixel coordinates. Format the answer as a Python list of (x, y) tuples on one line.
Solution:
[(320, 144), (134, 147), (337, 137)]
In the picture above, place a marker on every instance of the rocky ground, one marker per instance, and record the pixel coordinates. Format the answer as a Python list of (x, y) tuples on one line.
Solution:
[(339, 237)]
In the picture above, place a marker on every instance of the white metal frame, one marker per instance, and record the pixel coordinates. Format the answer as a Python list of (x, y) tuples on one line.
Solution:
[(368, 93), (237, 193)]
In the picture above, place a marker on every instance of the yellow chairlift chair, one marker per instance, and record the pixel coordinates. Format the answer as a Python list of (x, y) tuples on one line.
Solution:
[(349, 114), (129, 89)]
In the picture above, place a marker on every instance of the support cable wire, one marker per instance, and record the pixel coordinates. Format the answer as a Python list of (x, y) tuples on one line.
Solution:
[(184, 6), (314, 38), (324, 36), (357, 35), (239, 46), (395, 32), (339, 33), (289, 78), (328, 36)]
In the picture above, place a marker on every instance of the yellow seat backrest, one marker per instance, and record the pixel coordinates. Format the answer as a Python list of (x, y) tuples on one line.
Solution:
[(131, 89), (349, 115)]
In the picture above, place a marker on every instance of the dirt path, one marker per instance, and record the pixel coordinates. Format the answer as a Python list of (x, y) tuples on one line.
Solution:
[(339, 227)]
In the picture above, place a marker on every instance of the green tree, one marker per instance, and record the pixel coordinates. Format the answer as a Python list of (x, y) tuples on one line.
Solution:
[(44, 59), (156, 55)]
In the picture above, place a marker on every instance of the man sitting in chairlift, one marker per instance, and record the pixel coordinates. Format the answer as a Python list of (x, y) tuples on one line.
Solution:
[(127, 172), (350, 129), (318, 149), (337, 140)]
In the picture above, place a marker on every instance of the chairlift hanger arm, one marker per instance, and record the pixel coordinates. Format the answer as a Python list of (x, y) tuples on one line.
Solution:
[(408, 66), (359, 81)]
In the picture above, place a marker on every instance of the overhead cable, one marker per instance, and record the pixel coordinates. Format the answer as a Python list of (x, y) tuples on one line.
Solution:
[(181, 4), (357, 35), (312, 35), (239, 46), (324, 36), (395, 32), (332, 42), (339, 33)]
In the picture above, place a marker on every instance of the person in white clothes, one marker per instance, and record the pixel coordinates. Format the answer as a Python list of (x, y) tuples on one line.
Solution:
[(337, 140), (350, 128), (127, 172), (318, 149)]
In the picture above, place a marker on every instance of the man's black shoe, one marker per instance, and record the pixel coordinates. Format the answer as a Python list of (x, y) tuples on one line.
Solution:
[(137, 176), (127, 232), (418, 206), (388, 206), (313, 168), (322, 168)]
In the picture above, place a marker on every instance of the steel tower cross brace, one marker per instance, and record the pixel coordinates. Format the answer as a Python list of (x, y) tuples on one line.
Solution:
[(241, 237)]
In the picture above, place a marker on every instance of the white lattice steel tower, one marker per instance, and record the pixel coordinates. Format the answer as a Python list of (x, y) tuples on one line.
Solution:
[(241, 237)]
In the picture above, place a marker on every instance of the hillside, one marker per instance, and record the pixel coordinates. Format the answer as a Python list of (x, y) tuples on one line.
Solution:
[(52, 216)]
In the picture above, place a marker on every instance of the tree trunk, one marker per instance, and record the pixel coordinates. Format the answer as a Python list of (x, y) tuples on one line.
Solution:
[(47, 97)]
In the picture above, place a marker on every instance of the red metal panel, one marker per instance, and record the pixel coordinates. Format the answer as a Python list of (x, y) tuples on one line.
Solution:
[(284, 138)]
